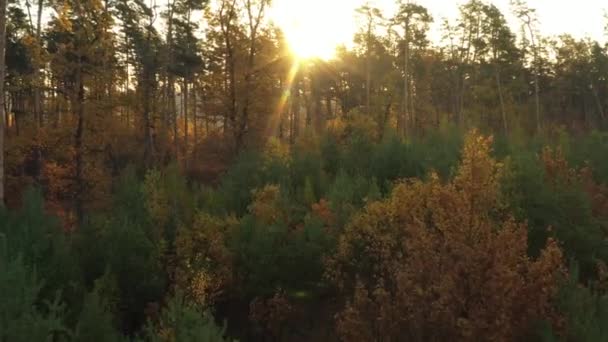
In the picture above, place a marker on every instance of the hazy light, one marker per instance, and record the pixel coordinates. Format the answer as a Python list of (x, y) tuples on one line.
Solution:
[(314, 28)]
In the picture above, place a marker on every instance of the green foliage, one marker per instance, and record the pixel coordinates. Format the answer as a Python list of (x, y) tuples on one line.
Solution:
[(592, 149), (96, 321), (309, 193), (130, 254), (126, 244), (22, 315), (266, 249), (585, 309), (561, 210), (236, 185), (38, 239), (181, 322)]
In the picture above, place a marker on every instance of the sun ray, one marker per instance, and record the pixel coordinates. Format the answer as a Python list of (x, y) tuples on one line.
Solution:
[(314, 28), (275, 118)]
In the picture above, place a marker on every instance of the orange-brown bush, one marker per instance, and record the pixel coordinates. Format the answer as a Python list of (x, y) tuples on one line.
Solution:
[(443, 261)]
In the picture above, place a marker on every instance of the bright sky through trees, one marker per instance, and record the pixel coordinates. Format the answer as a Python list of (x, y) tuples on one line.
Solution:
[(316, 27)]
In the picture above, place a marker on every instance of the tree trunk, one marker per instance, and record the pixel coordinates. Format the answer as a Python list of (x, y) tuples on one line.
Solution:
[(295, 111), (254, 23), (598, 103), (2, 97), (185, 105), (171, 105), (368, 69), (147, 123), (406, 82), (195, 114), (78, 146), (503, 110), (536, 78), (38, 108)]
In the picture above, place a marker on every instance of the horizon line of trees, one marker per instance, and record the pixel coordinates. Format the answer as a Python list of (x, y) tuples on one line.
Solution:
[(100, 83)]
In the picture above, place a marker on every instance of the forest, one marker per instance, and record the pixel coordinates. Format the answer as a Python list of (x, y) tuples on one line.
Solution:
[(172, 171)]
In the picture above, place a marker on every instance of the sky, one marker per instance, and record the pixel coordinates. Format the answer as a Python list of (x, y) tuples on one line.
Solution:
[(330, 22)]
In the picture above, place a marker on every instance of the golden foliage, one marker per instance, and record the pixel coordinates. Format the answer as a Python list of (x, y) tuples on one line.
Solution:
[(266, 204), (438, 261), (156, 199), (276, 150), (203, 262)]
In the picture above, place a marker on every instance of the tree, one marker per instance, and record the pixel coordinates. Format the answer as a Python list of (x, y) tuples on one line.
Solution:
[(20, 319), (185, 56), (371, 16), (528, 18), (415, 20), (81, 46), (2, 97), (143, 42), (437, 261), (182, 322)]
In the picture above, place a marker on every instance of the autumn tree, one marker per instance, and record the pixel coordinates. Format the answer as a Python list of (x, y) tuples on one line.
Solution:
[(81, 45), (453, 265)]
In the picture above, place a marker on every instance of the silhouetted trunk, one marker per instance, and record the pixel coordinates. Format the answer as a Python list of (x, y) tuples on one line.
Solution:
[(536, 78), (598, 103), (194, 114), (368, 70), (2, 97), (503, 110), (148, 79), (171, 105), (185, 105), (254, 23), (78, 146), (38, 108), (403, 123)]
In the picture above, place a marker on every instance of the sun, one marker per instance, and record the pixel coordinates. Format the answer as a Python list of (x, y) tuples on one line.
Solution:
[(315, 28)]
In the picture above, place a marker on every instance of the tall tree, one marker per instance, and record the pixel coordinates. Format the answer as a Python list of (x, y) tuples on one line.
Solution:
[(528, 18), (2, 97), (415, 20), (371, 16)]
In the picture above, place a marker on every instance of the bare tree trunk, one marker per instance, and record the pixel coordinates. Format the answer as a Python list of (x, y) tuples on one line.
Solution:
[(503, 110), (195, 114), (2, 97), (368, 69), (598, 103), (171, 105), (413, 118), (406, 81), (254, 23), (185, 106), (78, 145), (148, 97), (38, 109), (295, 111), (536, 77), (227, 15)]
